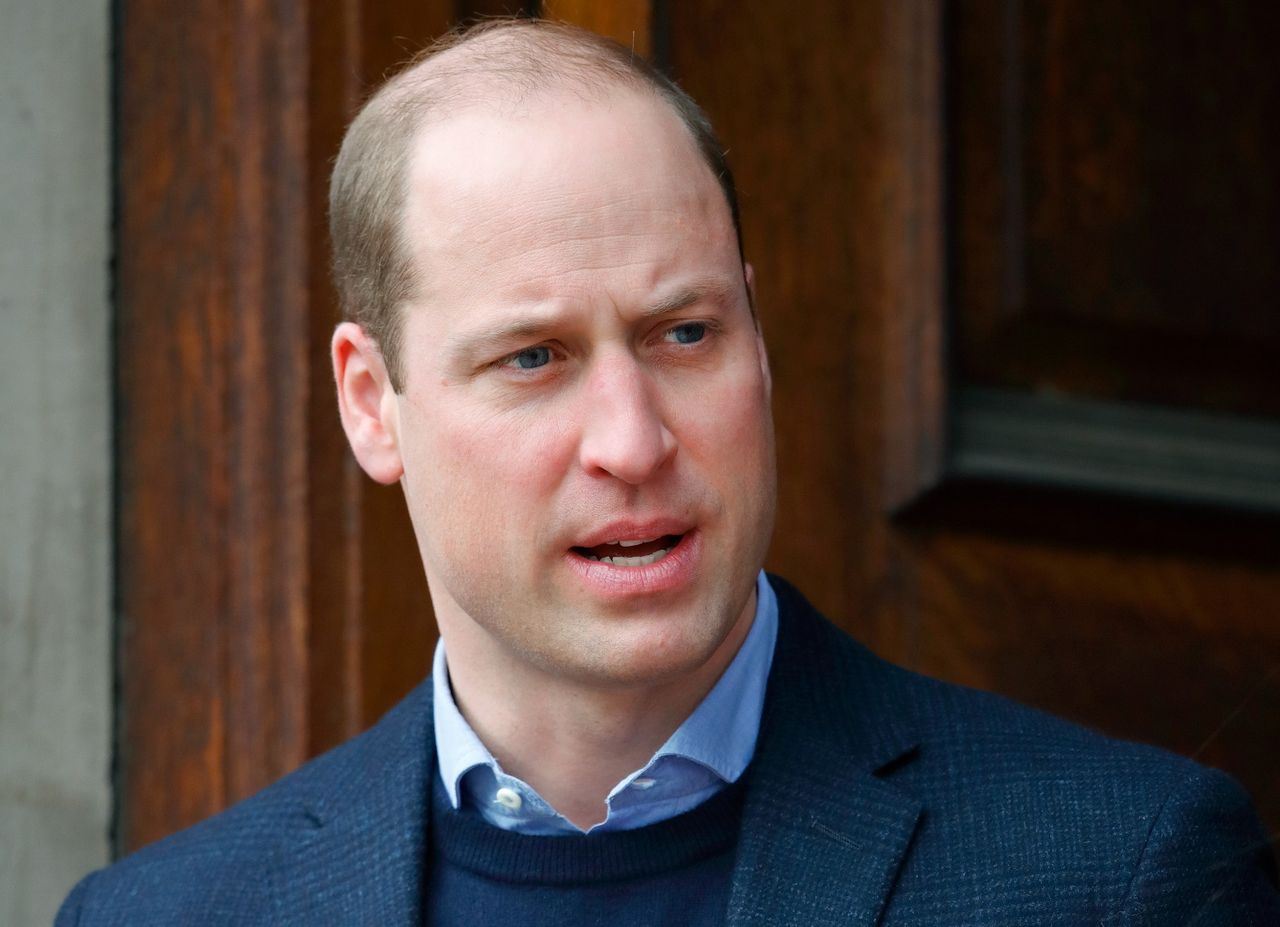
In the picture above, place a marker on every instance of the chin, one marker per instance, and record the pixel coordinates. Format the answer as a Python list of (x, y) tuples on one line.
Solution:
[(646, 651)]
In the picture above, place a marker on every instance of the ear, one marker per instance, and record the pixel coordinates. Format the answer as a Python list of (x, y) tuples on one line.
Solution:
[(749, 274), (367, 403)]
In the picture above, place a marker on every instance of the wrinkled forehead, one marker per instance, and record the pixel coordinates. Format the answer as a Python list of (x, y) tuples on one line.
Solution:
[(553, 158)]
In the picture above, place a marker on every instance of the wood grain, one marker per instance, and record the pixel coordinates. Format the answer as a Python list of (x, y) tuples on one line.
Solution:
[(270, 602), (211, 469), (627, 21)]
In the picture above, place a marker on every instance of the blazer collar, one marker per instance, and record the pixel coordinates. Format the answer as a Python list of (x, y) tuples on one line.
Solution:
[(824, 833)]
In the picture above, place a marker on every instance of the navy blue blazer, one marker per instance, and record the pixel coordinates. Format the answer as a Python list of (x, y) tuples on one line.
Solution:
[(877, 796)]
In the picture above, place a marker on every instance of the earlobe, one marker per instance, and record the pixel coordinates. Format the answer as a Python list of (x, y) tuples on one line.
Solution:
[(366, 403)]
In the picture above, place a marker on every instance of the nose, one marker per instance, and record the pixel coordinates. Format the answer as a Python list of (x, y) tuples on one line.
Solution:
[(624, 433)]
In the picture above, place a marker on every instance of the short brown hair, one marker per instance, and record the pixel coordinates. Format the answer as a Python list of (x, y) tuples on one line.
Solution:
[(371, 264)]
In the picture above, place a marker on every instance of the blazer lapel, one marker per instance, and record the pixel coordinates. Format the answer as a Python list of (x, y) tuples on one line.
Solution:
[(359, 856), (823, 834)]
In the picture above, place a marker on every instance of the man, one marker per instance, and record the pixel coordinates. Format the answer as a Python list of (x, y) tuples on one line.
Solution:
[(552, 347)]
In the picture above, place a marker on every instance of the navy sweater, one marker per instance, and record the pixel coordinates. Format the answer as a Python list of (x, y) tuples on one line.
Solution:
[(674, 872)]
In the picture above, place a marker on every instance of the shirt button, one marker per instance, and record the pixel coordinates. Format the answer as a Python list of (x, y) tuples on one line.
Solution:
[(642, 784), (509, 798)]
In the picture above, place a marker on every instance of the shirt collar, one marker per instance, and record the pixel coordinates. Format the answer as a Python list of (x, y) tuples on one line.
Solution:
[(721, 732), (719, 735)]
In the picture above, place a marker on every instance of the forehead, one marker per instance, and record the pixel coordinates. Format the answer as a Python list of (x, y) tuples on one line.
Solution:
[(557, 169)]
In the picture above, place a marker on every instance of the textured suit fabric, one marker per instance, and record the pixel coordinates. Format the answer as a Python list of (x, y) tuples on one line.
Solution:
[(877, 796)]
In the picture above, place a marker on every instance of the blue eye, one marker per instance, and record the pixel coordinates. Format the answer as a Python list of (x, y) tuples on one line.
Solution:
[(531, 358), (689, 333)]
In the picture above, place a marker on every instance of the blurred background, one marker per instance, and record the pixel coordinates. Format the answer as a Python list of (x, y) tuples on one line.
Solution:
[(1017, 270)]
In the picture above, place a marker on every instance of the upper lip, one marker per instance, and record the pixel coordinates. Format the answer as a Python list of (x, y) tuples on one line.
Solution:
[(634, 530)]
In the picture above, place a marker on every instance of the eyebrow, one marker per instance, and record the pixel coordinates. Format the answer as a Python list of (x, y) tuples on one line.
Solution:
[(685, 297), (488, 340), (471, 346)]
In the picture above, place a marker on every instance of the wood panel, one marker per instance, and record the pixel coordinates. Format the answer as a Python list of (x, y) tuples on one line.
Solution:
[(271, 599), (1117, 205), (208, 473), (627, 21)]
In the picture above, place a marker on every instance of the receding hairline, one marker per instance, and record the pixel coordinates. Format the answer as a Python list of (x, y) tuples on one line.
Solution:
[(508, 63)]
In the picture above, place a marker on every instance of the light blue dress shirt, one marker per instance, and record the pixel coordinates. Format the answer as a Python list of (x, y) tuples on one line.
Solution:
[(706, 753)]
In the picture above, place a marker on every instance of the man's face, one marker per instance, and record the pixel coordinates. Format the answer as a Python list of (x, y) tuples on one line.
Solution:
[(584, 381)]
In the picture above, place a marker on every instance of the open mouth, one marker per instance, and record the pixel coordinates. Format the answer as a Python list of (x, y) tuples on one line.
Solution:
[(631, 553)]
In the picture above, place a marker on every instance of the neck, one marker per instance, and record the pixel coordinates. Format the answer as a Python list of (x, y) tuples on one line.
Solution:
[(568, 739)]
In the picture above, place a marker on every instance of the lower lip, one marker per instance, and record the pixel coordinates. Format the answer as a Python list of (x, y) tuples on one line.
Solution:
[(610, 581)]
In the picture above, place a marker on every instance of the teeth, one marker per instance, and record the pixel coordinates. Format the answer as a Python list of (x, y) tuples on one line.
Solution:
[(632, 561), (633, 543)]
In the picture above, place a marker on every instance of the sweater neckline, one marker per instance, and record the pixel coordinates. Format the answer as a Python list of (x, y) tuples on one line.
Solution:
[(463, 838)]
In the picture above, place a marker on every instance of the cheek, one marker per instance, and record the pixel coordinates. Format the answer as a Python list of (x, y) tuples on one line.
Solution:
[(731, 423), (473, 469)]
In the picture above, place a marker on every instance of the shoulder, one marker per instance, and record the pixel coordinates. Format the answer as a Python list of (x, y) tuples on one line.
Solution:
[(1131, 833), (218, 866), (226, 867), (1012, 797), (963, 732)]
